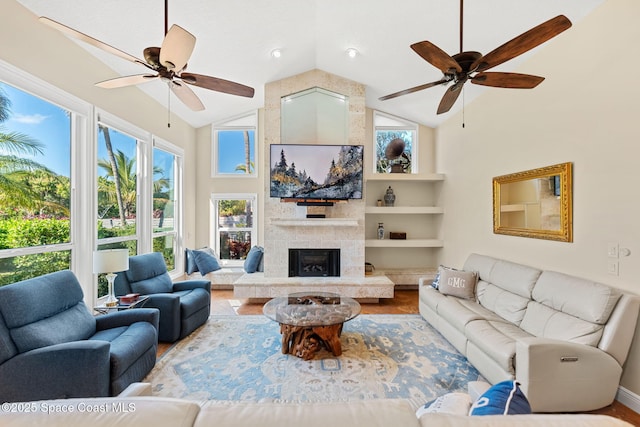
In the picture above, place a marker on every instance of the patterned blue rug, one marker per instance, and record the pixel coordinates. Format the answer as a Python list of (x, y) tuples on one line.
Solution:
[(238, 358)]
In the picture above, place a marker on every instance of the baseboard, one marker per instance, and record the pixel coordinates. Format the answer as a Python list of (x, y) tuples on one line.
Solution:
[(628, 399)]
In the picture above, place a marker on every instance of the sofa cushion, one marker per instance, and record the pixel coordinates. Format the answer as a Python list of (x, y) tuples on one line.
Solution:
[(459, 312), (504, 398), (46, 310), (128, 344), (145, 266), (457, 283), (154, 285), (578, 297), (450, 403), (505, 304), (543, 321), (497, 339)]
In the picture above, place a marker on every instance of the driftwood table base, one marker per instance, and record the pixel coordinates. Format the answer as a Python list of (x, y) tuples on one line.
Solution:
[(305, 341)]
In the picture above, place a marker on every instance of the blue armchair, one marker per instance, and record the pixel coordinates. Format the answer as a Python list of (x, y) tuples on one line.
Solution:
[(184, 305), (52, 347)]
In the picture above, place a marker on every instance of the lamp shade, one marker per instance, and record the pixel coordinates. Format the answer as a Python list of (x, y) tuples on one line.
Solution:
[(110, 260)]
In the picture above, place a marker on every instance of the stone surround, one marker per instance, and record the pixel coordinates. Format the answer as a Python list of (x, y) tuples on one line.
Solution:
[(365, 289), (286, 225)]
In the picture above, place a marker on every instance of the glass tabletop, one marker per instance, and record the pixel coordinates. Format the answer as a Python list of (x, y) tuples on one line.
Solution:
[(311, 309)]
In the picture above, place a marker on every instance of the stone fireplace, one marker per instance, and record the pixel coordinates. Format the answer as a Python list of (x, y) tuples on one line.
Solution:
[(338, 228), (286, 224)]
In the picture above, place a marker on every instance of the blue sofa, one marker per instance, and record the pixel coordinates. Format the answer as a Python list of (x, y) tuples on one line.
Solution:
[(51, 346), (183, 305)]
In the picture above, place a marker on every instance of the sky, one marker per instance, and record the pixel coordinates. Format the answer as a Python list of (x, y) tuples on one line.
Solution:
[(43, 121), (51, 126), (231, 150)]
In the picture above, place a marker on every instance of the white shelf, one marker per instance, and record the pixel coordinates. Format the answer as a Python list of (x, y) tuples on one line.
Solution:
[(409, 243), (315, 222), (405, 177), (403, 210)]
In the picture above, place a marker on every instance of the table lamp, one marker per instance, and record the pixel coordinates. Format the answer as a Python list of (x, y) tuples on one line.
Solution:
[(110, 261)]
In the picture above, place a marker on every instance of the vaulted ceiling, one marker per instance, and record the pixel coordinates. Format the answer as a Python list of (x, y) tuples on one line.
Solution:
[(235, 40)]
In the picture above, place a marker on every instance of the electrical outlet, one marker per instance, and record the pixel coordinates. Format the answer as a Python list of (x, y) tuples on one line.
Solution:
[(612, 267), (612, 250)]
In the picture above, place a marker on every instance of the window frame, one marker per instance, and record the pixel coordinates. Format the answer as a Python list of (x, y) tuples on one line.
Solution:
[(80, 120), (247, 121), (177, 231), (216, 229), (401, 125)]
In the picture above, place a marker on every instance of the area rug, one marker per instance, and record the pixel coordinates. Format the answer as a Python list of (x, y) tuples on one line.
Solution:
[(238, 358)]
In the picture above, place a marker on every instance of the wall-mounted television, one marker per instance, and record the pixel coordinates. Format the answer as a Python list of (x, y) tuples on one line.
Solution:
[(316, 172)]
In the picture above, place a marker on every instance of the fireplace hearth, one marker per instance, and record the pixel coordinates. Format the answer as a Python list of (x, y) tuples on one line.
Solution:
[(314, 262)]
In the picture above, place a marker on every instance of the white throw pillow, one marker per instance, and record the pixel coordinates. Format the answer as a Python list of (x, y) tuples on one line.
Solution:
[(450, 403)]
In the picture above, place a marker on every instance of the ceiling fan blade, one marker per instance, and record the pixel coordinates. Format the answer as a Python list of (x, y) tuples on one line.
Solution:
[(507, 80), (186, 95), (415, 89), (126, 81), (436, 57), (90, 40), (219, 85), (176, 49), (450, 97), (523, 43)]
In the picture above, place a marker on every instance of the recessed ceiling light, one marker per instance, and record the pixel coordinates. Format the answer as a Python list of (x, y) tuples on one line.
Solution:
[(352, 52), (276, 53)]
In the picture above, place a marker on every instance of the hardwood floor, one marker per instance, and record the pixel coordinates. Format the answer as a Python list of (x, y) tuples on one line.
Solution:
[(404, 302)]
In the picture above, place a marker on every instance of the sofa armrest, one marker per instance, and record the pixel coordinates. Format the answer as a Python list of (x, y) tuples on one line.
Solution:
[(186, 285), (560, 376), (136, 389), (73, 369), (127, 317)]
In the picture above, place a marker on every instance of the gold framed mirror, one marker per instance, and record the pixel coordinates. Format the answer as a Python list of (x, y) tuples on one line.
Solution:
[(536, 203)]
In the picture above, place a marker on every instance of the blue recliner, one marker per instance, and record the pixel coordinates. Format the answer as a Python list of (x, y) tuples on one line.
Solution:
[(52, 347), (184, 305)]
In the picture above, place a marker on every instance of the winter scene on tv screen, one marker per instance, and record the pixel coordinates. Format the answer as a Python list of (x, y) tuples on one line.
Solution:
[(327, 172)]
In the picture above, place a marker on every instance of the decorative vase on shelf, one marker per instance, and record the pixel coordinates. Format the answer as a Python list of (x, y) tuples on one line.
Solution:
[(389, 197), (380, 231)]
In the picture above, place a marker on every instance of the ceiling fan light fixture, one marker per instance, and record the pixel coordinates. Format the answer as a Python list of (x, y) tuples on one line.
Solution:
[(352, 52)]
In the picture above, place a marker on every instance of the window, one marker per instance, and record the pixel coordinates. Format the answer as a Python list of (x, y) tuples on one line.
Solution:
[(235, 226), (36, 139), (234, 147), (58, 198), (394, 133), (167, 172)]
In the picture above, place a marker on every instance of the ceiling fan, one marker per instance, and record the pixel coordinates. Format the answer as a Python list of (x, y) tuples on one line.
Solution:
[(472, 66), (168, 63)]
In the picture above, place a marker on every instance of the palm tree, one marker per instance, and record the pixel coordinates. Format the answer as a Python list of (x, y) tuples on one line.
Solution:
[(123, 188), (14, 169), (113, 167)]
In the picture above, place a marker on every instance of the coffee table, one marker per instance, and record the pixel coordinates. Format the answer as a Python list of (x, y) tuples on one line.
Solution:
[(310, 320)]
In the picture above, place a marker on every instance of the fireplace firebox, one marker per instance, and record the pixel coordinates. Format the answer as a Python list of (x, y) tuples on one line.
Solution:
[(314, 262)]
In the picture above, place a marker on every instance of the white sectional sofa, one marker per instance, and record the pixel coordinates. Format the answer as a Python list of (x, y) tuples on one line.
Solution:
[(565, 339), (167, 412)]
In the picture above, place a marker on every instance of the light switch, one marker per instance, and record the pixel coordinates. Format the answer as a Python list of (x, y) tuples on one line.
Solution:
[(612, 250), (612, 267)]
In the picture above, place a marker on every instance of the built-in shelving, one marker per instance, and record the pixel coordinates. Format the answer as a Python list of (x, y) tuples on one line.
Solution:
[(403, 243), (315, 222), (415, 212)]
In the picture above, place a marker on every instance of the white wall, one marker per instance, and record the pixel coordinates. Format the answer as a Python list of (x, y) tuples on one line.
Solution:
[(585, 112)]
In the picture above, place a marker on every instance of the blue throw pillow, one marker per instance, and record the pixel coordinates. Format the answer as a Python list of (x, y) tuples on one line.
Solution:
[(436, 281), (254, 257), (504, 398), (190, 265), (205, 262)]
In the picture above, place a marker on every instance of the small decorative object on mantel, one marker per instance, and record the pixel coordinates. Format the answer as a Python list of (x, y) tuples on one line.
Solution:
[(380, 231), (395, 235), (389, 197)]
